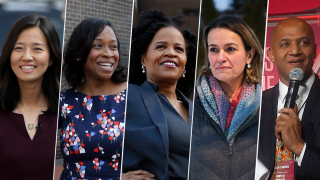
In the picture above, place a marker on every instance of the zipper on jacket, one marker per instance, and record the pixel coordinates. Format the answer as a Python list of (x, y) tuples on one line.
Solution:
[(230, 151)]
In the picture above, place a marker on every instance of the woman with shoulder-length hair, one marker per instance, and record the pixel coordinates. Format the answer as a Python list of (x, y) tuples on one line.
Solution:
[(92, 111), (29, 93), (225, 124), (159, 114)]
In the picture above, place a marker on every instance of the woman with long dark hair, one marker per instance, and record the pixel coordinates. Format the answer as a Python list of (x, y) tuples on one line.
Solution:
[(29, 93)]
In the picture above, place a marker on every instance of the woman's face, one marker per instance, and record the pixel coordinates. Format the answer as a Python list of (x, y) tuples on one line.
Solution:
[(227, 55), (30, 57), (103, 58), (166, 57)]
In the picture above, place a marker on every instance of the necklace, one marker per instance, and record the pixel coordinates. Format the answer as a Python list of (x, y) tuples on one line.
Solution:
[(30, 125), (175, 103)]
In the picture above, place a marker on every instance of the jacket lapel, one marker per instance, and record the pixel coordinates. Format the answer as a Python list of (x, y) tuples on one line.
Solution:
[(154, 108), (270, 138), (310, 119)]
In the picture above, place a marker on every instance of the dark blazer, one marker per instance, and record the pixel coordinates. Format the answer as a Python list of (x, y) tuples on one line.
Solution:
[(146, 143), (310, 123)]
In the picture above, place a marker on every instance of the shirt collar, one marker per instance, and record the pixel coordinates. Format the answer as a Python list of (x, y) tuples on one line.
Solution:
[(303, 90)]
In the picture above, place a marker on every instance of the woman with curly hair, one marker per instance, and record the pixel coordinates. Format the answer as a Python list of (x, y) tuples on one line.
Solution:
[(158, 120), (226, 112), (92, 111)]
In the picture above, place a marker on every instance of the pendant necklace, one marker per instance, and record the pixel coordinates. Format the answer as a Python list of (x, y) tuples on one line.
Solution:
[(31, 125)]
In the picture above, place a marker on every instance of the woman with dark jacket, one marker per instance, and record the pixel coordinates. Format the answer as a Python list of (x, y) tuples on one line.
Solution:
[(225, 124), (158, 117)]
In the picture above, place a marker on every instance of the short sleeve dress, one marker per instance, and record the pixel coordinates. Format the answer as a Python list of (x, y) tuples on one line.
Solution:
[(91, 135)]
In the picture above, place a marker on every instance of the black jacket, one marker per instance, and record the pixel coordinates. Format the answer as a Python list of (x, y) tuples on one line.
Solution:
[(310, 124)]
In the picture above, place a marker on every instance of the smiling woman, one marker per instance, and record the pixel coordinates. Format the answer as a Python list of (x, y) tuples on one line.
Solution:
[(29, 89), (158, 121), (92, 111)]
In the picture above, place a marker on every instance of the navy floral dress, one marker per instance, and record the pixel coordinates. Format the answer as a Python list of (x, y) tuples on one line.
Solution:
[(91, 135)]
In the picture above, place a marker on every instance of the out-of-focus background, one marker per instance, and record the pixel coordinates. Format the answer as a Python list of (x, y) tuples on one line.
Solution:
[(118, 12), (189, 8), (279, 10), (11, 11), (253, 12)]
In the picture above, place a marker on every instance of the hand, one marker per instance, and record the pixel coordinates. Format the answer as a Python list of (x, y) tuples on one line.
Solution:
[(288, 127), (138, 174)]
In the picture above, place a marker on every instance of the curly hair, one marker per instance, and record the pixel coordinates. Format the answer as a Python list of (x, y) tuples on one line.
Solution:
[(249, 39), (9, 88), (150, 22), (79, 46)]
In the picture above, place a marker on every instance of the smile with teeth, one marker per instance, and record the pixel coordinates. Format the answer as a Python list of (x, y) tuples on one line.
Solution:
[(169, 63), (27, 67), (107, 65)]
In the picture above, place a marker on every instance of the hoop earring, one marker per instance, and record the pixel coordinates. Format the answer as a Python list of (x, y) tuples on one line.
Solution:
[(143, 69)]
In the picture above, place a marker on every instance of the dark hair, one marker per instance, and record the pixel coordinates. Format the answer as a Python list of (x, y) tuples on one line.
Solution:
[(249, 39), (9, 88), (150, 22), (79, 46)]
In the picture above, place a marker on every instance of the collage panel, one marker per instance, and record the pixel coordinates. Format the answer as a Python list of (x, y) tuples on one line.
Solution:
[(228, 90), (30, 66), (94, 83), (160, 90), (289, 138)]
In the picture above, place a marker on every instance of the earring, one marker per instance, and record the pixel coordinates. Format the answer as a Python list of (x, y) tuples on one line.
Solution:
[(184, 73), (77, 59), (209, 67), (82, 80), (143, 69), (248, 66)]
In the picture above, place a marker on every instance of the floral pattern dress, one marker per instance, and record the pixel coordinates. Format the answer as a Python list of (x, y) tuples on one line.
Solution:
[(91, 135)]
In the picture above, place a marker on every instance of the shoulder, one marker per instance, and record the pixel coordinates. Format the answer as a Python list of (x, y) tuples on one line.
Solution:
[(67, 92), (199, 113), (267, 94), (3, 114), (133, 89)]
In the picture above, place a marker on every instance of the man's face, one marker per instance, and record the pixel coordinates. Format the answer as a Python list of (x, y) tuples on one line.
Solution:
[(292, 46)]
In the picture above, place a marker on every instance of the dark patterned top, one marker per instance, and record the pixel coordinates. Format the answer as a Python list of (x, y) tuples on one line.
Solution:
[(91, 135)]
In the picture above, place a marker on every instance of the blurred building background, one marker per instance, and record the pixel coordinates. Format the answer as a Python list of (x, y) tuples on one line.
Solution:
[(253, 12), (118, 12), (11, 11)]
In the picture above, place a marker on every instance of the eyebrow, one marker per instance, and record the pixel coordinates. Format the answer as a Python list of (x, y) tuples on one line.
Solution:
[(99, 39), (35, 43), (165, 42), (287, 39), (229, 44)]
